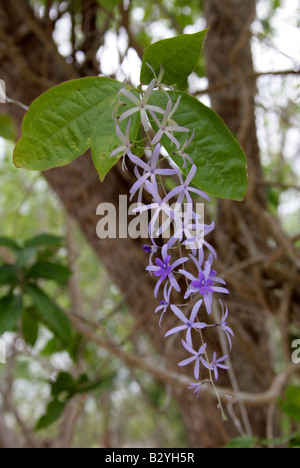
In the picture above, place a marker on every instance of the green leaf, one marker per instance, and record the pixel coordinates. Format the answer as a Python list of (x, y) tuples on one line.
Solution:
[(291, 403), (242, 442), (44, 240), (295, 441), (7, 127), (179, 56), (52, 347), (58, 125), (53, 413), (30, 328), (105, 140), (10, 243), (220, 160), (50, 271), (64, 383), (276, 441), (11, 308), (25, 255), (8, 274), (50, 313)]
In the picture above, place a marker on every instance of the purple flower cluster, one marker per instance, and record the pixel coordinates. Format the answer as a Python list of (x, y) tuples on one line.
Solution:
[(189, 275)]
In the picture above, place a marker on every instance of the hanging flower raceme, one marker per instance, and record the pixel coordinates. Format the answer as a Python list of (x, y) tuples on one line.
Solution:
[(182, 264)]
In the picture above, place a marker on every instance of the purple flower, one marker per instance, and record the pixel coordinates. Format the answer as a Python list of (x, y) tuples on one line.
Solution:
[(224, 324), (141, 105), (152, 250), (216, 364), (189, 324), (165, 304), (196, 241), (183, 190), (150, 170), (158, 206), (196, 387), (204, 283), (164, 128), (174, 217), (164, 270), (182, 153), (185, 226), (127, 144), (197, 357)]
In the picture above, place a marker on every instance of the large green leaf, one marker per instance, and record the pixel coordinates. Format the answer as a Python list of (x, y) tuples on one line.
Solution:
[(179, 56), (7, 127), (50, 313), (58, 125), (11, 308), (220, 160), (105, 140)]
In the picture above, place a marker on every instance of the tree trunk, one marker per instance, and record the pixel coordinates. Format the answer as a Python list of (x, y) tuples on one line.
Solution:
[(79, 189)]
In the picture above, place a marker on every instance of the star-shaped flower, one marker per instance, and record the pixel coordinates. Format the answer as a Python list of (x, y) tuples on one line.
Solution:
[(141, 105), (197, 356), (188, 323)]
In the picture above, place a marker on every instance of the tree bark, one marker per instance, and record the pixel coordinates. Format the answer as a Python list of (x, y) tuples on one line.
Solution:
[(80, 191)]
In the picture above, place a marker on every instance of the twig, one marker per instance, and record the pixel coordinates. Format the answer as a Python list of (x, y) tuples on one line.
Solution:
[(13, 52), (267, 183), (46, 39), (16, 103), (167, 13), (231, 373), (253, 76)]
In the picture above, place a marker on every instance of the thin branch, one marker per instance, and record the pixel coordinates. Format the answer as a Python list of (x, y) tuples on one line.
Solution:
[(16, 103), (167, 13), (232, 376), (46, 39), (267, 183), (13, 52), (253, 76), (87, 329)]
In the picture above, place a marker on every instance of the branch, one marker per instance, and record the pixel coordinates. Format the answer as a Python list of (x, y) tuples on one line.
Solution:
[(17, 103), (46, 39), (253, 76), (267, 183), (87, 329)]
